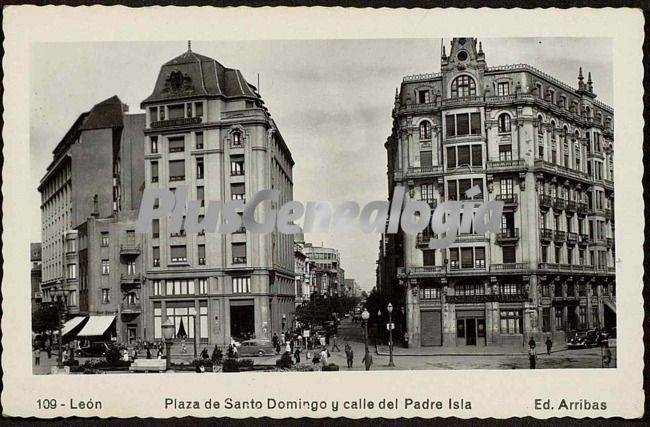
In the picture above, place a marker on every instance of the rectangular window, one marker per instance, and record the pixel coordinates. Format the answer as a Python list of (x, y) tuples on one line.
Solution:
[(477, 156), (238, 191), (176, 170), (505, 152), (503, 89), (429, 293), (106, 269), (241, 285), (451, 157), (466, 257), (470, 289), (509, 254), (189, 109), (558, 255), (559, 325), (236, 165), (154, 144), (176, 144), (453, 259), (462, 124), (178, 253), (460, 328), (479, 259), (546, 319), (153, 114), (545, 290), (511, 321), (105, 238), (199, 139), (106, 296), (452, 190), (426, 158), (463, 155), (424, 97), (198, 109), (239, 253), (176, 111), (155, 228), (203, 286), (476, 123), (156, 256), (154, 171), (199, 168), (429, 257), (510, 289), (463, 186), (72, 271), (156, 287), (506, 186), (201, 254), (450, 124), (426, 193), (200, 194)]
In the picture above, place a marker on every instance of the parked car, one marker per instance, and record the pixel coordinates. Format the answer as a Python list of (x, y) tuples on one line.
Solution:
[(591, 338), (96, 349), (256, 348)]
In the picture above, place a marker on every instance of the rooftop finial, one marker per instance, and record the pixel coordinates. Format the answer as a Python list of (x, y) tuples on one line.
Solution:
[(580, 74), (189, 45), (590, 84), (480, 48)]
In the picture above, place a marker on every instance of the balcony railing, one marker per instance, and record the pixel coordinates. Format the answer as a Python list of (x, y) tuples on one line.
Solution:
[(176, 122), (130, 248), (550, 167), (507, 235), (131, 307), (610, 242), (583, 239), (545, 201), (510, 266), (559, 204), (565, 267), (571, 206), (467, 100), (509, 200), (506, 165), (559, 236), (424, 171), (583, 208), (130, 278), (460, 299), (572, 238), (546, 234), (422, 239)]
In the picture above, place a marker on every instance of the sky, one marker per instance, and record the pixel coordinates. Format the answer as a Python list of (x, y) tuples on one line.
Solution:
[(331, 100)]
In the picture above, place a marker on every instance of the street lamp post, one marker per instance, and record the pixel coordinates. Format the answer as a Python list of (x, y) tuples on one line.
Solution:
[(378, 327), (365, 316), (390, 335), (58, 293), (168, 334)]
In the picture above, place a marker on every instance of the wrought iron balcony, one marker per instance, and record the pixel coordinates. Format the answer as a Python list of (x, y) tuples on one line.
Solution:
[(545, 201), (130, 248), (584, 240), (510, 201), (572, 238), (571, 206), (496, 166), (564, 267), (583, 208), (422, 239), (559, 236), (559, 204), (610, 242), (507, 236), (510, 266), (130, 279), (545, 234), (424, 171)]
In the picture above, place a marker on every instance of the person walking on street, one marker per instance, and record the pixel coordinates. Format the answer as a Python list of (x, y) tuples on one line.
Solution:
[(532, 355), (287, 347), (204, 354), (297, 355), (349, 355), (607, 356), (549, 344), (334, 345), (49, 351), (323, 357), (148, 353), (367, 359), (37, 356)]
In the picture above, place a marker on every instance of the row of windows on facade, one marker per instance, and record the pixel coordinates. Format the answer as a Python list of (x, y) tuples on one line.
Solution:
[(178, 254), (594, 141), (176, 144), (474, 257), (177, 168), (57, 184), (182, 314), (176, 111), (557, 290), (155, 225), (597, 227), (171, 287)]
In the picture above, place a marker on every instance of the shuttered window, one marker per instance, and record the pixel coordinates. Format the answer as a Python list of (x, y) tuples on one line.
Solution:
[(176, 145), (426, 158), (178, 253), (463, 155), (477, 155), (462, 124), (451, 125), (239, 253), (176, 170), (466, 258), (451, 157)]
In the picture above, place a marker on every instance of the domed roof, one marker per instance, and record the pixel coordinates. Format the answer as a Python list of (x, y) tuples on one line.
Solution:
[(193, 75)]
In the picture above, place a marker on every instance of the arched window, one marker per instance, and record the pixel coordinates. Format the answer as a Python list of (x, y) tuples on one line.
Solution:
[(463, 86), (504, 123), (425, 130), (236, 138)]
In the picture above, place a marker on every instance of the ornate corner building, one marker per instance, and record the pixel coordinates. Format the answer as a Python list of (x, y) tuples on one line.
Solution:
[(543, 148)]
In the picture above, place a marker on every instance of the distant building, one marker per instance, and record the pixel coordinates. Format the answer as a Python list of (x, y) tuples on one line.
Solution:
[(36, 259), (351, 287), (543, 148), (303, 273), (325, 263)]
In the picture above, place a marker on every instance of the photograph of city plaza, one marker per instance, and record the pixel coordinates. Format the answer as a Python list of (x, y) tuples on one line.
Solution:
[(538, 293)]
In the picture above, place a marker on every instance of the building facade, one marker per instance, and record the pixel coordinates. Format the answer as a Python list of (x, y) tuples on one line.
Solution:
[(543, 148), (96, 176), (325, 264), (207, 129), (36, 259)]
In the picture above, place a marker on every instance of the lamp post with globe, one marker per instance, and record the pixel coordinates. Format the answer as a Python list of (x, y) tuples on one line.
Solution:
[(365, 316), (168, 335), (390, 335)]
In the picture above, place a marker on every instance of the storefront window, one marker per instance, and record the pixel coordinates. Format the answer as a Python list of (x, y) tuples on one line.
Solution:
[(511, 321)]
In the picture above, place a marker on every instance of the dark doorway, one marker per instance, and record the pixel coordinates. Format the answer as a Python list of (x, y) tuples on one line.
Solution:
[(470, 326), (242, 321), (610, 317)]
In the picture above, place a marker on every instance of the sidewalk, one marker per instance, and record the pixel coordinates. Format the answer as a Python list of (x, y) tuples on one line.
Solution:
[(383, 350)]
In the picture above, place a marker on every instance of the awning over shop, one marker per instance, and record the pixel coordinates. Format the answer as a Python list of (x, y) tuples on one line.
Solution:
[(71, 324), (610, 305), (96, 326)]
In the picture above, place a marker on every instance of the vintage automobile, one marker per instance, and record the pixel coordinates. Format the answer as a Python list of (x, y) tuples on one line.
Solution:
[(96, 349), (591, 338), (256, 347)]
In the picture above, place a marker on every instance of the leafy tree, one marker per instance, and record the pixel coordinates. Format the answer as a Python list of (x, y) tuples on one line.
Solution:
[(45, 320)]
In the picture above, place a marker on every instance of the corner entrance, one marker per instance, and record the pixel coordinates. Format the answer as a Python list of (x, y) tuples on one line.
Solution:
[(470, 328), (242, 319)]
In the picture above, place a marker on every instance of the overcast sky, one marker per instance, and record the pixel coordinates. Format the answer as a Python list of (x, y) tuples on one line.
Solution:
[(331, 100)]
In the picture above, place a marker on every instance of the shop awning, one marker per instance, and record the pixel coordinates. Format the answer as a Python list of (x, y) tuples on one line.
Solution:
[(71, 324), (96, 326), (610, 304)]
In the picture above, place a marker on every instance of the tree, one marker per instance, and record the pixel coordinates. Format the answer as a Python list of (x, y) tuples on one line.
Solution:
[(45, 320)]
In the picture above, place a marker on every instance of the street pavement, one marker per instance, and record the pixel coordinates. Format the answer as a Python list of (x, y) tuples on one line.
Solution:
[(353, 334)]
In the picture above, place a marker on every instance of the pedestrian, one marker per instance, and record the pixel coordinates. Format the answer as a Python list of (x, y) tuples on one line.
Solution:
[(159, 355), (323, 343), (235, 351), (349, 355), (204, 353), (532, 355), (148, 353), (531, 342), (37, 356), (367, 359), (49, 351), (183, 347), (287, 347), (607, 356), (323, 357), (275, 339), (291, 344), (277, 348), (316, 360), (549, 344), (334, 345), (135, 354), (297, 355)]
